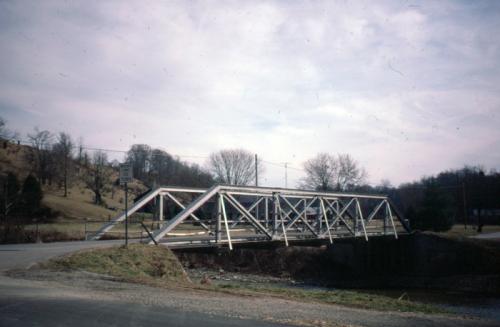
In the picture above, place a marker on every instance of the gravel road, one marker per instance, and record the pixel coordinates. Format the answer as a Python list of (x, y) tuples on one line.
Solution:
[(45, 298), (101, 295)]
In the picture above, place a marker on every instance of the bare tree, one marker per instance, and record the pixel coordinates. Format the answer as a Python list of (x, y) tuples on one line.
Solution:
[(165, 169), (41, 143), (9, 194), (349, 172), (80, 150), (139, 156), (233, 166), (332, 172), (320, 172), (6, 133), (63, 151), (98, 177), (3, 128)]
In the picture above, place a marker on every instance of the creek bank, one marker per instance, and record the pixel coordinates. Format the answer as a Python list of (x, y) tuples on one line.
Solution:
[(417, 261)]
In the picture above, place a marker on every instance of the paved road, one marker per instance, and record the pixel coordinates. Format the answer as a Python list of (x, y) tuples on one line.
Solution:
[(488, 236), (24, 304), (13, 256), (29, 305)]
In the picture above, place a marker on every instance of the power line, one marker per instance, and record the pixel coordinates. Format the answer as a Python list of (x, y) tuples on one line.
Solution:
[(89, 148), (27, 142), (282, 165)]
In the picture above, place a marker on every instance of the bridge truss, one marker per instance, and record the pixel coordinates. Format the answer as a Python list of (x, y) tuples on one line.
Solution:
[(224, 215)]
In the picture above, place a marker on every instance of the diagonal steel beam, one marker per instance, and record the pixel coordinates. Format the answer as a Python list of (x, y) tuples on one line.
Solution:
[(358, 207), (302, 212), (224, 214), (299, 215), (399, 215), (121, 217), (326, 219), (184, 207), (392, 220), (247, 214), (277, 199), (294, 220), (256, 203), (339, 215), (181, 216), (374, 212)]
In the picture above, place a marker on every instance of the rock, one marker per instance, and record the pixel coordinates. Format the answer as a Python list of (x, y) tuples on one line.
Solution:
[(205, 280)]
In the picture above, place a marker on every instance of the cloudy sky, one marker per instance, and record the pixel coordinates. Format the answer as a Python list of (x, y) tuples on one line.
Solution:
[(408, 88)]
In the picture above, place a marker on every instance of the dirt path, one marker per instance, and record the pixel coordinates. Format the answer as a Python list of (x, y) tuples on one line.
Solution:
[(42, 285)]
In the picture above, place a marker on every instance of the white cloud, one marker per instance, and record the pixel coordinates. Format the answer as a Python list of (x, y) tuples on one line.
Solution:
[(408, 90)]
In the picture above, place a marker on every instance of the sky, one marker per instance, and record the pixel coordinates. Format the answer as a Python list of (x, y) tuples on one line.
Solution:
[(408, 88)]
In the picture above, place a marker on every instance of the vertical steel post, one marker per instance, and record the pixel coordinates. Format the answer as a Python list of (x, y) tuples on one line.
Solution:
[(318, 217), (219, 221), (126, 214), (326, 219), (356, 222), (281, 218), (386, 218), (161, 207), (225, 222), (305, 209), (275, 215)]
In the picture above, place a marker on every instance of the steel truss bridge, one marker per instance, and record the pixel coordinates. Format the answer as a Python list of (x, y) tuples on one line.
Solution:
[(224, 215)]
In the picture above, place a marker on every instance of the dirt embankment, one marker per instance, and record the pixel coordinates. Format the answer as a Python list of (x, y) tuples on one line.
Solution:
[(414, 261)]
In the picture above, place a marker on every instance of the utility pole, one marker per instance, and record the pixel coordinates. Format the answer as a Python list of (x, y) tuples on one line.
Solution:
[(125, 177), (286, 174), (256, 183), (465, 204), (256, 171)]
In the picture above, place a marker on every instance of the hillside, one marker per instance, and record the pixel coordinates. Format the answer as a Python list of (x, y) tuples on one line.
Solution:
[(78, 205)]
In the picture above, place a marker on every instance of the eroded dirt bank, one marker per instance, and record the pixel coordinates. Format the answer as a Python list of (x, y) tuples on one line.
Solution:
[(414, 261)]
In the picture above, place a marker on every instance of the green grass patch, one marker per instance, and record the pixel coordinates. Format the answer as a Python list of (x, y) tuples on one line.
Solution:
[(339, 297), (135, 263), (157, 265)]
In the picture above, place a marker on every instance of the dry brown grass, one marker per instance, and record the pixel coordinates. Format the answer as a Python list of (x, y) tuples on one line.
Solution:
[(135, 263), (79, 203), (458, 230)]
